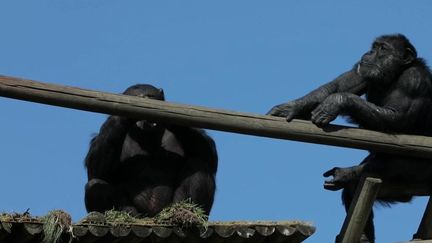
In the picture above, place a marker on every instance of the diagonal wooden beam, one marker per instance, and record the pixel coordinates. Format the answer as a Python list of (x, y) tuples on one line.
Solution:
[(424, 231), (359, 210), (216, 119)]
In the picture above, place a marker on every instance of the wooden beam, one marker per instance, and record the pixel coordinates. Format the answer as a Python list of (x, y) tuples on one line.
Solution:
[(197, 116), (359, 210), (424, 231)]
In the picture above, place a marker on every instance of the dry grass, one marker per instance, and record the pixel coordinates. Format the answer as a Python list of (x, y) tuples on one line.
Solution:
[(55, 224), (184, 214)]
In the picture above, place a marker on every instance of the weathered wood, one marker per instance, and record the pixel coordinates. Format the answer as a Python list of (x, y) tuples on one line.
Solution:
[(424, 231), (223, 120), (359, 210)]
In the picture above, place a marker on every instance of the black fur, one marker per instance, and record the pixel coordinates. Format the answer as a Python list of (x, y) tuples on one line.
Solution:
[(141, 167), (398, 90)]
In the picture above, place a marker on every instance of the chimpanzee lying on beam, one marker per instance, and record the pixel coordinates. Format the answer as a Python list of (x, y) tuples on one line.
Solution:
[(398, 90), (141, 167)]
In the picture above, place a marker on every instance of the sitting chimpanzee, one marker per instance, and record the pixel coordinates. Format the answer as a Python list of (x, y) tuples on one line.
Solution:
[(398, 90), (141, 167)]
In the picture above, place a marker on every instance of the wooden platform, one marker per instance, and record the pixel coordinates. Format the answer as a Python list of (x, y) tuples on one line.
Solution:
[(31, 230)]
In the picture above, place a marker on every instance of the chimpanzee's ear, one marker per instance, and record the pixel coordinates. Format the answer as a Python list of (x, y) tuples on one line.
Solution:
[(410, 56)]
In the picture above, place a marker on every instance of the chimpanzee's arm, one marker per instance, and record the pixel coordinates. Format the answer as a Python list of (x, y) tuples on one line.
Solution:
[(199, 148), (349, 82), (105, 148), (396, 115)]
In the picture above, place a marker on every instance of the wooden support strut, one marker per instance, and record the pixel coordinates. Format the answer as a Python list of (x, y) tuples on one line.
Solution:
[(425, 228), (196, 116), (359, 210)]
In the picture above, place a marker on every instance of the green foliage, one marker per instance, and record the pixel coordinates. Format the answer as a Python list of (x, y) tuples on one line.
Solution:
[(16, 217), (119, 217), (55, 223), (6, 217), (184, 213)]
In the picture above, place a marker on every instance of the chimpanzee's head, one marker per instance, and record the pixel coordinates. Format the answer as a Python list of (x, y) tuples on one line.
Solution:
[(387, 58), (150, 92)]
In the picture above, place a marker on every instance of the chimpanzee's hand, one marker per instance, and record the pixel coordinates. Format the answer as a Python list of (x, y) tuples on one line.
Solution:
[(341, 177), (290, 110), (335, 183), (329, 109)]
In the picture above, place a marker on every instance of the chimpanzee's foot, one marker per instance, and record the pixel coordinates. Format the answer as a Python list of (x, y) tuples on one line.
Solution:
[(341, 177)]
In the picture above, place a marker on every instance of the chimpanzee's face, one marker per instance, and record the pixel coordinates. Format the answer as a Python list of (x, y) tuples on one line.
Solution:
[(385, 58)]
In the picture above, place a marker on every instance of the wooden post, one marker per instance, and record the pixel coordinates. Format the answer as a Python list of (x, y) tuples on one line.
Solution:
[(424, 231), (196, 116), (359, 210)]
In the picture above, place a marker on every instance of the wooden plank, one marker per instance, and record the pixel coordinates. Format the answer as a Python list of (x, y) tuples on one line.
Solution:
[(424, 231), (197, 116), (359, 210)]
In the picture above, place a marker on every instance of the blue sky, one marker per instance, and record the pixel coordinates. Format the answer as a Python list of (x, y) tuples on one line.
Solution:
[(237, 55)]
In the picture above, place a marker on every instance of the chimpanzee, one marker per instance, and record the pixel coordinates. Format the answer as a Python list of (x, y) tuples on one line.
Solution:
[(141, 167), (398, 99)]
